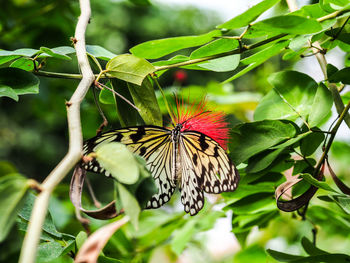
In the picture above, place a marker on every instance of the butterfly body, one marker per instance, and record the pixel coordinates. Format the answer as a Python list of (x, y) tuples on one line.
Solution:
[(179, 157)]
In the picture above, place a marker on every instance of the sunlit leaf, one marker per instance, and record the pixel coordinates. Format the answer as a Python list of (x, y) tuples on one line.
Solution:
[(216, 47), (129, 68), (321, 106), (249, 16), (119, 161), (292, 96), (158, 48)]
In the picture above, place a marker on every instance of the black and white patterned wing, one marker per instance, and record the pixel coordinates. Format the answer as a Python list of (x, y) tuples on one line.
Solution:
[(151, 142), (211, 169)]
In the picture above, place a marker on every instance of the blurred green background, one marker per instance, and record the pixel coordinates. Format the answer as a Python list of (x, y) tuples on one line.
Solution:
[(33, 131)]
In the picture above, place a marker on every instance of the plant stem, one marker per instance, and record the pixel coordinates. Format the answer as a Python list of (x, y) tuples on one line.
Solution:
[(331, 138), (32, 237)]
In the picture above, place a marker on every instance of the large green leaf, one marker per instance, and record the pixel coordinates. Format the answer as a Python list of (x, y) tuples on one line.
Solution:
[(292, 97), (129, 68), (145, 99), (287, 24), (158, 48), (20, 81), (13, 188), (251, 138), (248, 16), (183, 236), (321, 106), (119, 161)]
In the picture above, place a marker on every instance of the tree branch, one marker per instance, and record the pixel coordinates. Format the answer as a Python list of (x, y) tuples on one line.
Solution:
[(32, 237)]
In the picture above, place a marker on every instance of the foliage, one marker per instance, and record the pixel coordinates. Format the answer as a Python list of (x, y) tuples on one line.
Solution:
[(280, 118)]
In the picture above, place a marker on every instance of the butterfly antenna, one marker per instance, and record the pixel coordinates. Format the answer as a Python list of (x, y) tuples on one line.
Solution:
[(165, 101)]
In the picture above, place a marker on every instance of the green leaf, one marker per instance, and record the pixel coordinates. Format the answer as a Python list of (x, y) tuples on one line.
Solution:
[(343, 201), (26, 212), (322, 104), (283, 257), (5, 59), (158, 48), (310, 143), (254, 204), (130, 204), (13, 188), (261, 161), (80, 239), (48, 251), (315, 182), (248, 189), (129, 68), (258, 58), (119, 161), (183, 236), (145, 99), (25, 52), (54, 53), (24, 63), (299, 42), (106, 97), (248, 16), (292, 97), (216, 47), (292, 140), (310, 248), (331, 69), (287, 24), (99, 52), (342, 75), (21, 81), (251, 138), (6, 91), (127, 115), (223, 64)]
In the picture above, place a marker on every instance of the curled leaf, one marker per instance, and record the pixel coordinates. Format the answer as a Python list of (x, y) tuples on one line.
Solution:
[(76, 188), (300, 201), (93, 246)]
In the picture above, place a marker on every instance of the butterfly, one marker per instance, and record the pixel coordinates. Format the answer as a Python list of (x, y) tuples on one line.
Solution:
[(184, 156)]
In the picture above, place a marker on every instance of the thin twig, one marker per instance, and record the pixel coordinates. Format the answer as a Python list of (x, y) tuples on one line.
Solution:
[(32, 237), (119, 95)]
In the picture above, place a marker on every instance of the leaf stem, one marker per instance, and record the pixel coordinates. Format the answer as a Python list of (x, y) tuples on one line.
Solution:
[(165, 100)]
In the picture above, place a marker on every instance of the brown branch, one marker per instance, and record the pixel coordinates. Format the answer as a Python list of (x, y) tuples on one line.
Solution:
[(31, 239)]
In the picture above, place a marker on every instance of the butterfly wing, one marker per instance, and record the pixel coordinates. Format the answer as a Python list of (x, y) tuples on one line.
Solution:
[(205, 167), (151, 142)]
